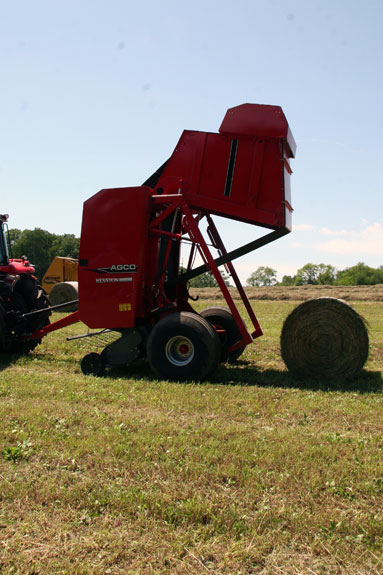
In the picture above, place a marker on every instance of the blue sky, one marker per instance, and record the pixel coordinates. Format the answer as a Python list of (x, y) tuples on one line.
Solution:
[(95, 94)]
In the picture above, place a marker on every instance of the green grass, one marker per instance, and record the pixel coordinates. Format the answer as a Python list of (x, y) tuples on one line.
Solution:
[(250, 473)]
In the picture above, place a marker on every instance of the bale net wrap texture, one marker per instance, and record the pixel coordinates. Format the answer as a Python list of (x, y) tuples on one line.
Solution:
[(325, 339), (63, 292)]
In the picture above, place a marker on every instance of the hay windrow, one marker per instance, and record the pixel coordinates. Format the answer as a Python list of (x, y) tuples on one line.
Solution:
[(298, 293), (325, 339)]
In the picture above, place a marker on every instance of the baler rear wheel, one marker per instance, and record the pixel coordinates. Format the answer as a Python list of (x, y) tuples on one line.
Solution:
[(183, 346), (222, 318)]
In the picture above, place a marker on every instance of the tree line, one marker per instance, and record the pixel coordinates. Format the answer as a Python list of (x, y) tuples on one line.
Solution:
[(40, 247), (311, 274), (319, 274)]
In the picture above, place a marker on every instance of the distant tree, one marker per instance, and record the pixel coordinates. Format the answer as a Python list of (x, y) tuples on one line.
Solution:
[(36, 245), (263, 276), (206, 280), (66, 246), (315, 274), (13, 236), (307, 274), (326, 274), (288, 281), (360, 274), (40, 247)]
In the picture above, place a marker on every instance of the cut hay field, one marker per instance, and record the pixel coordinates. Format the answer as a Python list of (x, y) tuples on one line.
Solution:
[(251, 472), (300, 293)]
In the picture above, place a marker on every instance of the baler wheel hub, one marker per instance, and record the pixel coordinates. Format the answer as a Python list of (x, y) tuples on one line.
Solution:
[(179, 350)]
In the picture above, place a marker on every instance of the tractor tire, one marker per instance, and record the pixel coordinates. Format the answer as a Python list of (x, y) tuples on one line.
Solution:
[(27, 296), (39, 321), (2, 326), (183, 347), (221, 318)]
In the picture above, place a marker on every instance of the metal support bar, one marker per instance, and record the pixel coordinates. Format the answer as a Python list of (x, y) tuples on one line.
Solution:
[(91, 334), (51, 308), (213, 233), (172, 201), (194, 232), (169, 234), (237, 253), (59, 324)]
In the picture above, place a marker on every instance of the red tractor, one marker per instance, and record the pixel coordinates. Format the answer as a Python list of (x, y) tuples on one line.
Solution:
[(130, 277), (23, 302)]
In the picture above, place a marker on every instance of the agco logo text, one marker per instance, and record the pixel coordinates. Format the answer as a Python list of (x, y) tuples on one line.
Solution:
[(118, 269)]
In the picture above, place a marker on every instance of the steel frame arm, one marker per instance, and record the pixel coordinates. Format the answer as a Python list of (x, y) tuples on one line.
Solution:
[(237, 253)]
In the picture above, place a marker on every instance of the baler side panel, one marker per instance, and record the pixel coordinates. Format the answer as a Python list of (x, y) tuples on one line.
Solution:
[(184, 166), (256, 191), (113, 246), (239, 173)]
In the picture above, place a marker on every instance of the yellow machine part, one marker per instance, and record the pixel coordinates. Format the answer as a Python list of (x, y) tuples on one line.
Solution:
[(60, 270)]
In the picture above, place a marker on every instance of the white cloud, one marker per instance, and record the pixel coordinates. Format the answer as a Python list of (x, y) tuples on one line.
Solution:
[(298, 244), (328, 232), (367, 241), (303, 228)]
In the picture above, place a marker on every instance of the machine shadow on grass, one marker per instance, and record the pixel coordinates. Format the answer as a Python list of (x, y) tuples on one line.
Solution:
[(244, 373), (37, 356), (7, 360)]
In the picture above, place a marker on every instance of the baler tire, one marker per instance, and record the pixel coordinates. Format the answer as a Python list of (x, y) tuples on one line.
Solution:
[(93, 364), (183, 347), (222, 318)]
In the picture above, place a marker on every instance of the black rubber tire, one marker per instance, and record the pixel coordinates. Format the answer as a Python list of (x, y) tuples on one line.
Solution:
[(222, 318), (2, 326), (27, 296), (93, 364), (183, 347)]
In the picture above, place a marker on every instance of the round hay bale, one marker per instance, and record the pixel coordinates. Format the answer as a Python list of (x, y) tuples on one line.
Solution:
[(324, 339), (63, 292)]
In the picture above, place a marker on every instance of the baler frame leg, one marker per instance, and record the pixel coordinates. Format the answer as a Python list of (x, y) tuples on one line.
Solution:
[(195, 234), (220, 246)]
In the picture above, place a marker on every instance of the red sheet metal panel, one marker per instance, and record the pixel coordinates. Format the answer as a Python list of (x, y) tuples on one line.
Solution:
[(259, 120), (240, 173), (114, 240)]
